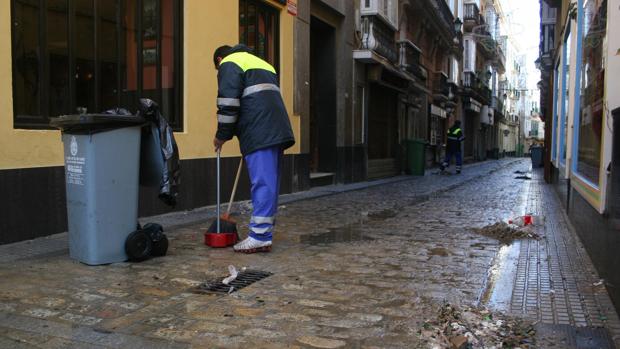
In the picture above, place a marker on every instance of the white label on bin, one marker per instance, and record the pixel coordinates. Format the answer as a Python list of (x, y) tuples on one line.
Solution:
[(74, 146), (74, 166)]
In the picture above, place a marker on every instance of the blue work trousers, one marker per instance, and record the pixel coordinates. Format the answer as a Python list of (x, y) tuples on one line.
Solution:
[(457, 154), (264, 170)]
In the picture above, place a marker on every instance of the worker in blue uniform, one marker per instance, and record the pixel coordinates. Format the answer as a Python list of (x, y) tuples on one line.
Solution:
[(250, 106), (453, 147)]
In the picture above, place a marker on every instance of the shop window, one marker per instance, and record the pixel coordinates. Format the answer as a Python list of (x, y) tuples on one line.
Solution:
[(259, 30), (93, 55), (591, 84)]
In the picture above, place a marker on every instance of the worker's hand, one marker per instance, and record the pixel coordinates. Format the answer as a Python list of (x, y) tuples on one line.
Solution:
[(217, 143)]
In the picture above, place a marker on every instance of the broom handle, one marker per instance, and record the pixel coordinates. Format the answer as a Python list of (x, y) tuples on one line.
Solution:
[(218, 191), (234, 189)]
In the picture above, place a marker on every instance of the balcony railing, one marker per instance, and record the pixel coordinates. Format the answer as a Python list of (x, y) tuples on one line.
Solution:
[(547, 35), (409, 59), (472, 13), (469, 80), (498, 104), (379, 37), (474, 86), (440, 84)]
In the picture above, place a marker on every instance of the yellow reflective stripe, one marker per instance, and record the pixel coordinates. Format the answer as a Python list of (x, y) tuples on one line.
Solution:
[(247, 61)]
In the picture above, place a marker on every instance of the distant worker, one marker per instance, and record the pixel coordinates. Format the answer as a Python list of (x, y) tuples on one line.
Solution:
[(455, 137), (250, 106)]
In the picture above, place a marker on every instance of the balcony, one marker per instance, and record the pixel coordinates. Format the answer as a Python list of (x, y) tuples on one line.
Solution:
[(475, 88), (441, 87), (378, 43), (471, 17), (502, 46), (547, 45), (497, 104), (409, 59)]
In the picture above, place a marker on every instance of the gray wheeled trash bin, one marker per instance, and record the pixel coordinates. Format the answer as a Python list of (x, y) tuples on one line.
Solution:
[(102, 160), (537, 156)]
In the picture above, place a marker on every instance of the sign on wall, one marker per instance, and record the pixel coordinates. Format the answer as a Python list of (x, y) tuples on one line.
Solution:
[(292, 7)]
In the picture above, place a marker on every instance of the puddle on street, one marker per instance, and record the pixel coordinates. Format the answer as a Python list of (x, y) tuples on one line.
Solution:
[(347, 233), (498, 290)]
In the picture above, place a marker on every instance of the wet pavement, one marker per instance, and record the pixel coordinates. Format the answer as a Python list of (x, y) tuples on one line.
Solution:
[(365, 268)]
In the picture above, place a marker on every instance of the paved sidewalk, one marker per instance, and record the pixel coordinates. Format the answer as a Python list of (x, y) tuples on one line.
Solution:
[(363, 268), (556, 281)]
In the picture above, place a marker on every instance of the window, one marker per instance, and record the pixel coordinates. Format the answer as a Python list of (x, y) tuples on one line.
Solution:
[(589, 105), (93, 55), (259, 30), (554, 123), (385, 9), (565, 97)]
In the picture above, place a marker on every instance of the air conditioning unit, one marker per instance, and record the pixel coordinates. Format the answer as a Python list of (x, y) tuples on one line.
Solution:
[(387, 10)]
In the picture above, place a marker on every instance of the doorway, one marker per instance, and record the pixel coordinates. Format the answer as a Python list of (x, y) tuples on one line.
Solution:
[(323, 116), (382, 132)]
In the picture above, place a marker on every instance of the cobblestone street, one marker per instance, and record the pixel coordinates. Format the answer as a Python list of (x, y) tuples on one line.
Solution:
[(363, 268)]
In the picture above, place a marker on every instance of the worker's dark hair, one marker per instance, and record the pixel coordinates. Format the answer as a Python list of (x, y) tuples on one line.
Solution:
[(222, 52), (457, 122)]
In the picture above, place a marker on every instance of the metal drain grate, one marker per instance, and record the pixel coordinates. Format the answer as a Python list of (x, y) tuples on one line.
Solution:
[(245, 278)]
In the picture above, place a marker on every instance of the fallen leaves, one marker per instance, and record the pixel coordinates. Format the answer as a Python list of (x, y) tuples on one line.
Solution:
[(467, 327), (506, 233)]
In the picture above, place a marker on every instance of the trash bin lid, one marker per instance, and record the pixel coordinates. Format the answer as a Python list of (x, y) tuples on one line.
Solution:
[(90, 123)]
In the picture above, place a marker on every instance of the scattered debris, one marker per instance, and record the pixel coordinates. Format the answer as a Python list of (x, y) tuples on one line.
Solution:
[(524, 177), (506, 233), (521, 172), (528, 219), (233, 275), (475, 328), (599, 283)]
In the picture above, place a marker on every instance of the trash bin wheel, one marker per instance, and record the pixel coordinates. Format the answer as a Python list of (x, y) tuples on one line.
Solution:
[(138, 246)]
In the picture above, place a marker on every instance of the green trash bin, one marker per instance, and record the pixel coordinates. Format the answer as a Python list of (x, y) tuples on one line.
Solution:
[(415, 156)]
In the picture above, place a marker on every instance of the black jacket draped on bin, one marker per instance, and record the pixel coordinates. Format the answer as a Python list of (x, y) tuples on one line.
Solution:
[(250, 104), (170, 172)]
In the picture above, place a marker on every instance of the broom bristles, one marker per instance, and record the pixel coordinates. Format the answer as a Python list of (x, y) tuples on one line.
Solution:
[(226, 226)]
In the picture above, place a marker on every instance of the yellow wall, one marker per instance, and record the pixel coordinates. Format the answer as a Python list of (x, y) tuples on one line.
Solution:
[(208, 24)]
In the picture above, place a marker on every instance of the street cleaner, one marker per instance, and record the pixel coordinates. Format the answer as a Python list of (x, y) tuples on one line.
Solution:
[(455, 137), (250, 106)]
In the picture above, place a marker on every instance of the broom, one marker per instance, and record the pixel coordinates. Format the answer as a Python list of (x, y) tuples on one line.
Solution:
[(225, 224)]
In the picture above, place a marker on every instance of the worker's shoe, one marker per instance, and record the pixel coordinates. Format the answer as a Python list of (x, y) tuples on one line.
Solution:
[(251, 245)]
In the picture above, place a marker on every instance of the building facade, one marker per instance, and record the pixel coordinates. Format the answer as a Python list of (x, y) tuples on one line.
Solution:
[(578, 55), (60, 57), (359, 80)]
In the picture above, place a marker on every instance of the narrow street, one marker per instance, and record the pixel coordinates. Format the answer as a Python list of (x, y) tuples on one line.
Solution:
[(366, 268)]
